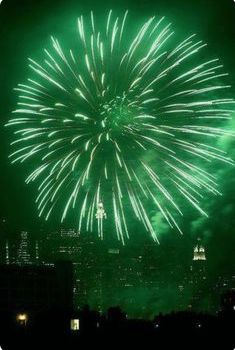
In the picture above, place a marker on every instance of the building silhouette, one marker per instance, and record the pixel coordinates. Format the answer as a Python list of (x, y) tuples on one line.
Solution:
[(32, 288)]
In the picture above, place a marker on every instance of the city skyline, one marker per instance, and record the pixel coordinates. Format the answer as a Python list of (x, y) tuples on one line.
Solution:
[(108, 275)]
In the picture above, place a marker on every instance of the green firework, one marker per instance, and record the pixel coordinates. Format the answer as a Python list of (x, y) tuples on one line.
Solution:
[(122, 125)]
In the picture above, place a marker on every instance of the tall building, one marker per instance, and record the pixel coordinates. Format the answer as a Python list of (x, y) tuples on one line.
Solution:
[(66, 244), (23, 255), (199, 278), (21, 252)]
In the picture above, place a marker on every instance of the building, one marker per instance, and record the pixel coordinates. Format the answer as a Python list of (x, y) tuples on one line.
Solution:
[(199, 252), (23, 255), (30, 289), (21, 252), (84, 253), (198, 280), (63, 245), (228, 301), (223, 283)]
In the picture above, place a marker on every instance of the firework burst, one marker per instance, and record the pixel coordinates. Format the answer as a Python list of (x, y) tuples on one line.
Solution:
[(122, 123)]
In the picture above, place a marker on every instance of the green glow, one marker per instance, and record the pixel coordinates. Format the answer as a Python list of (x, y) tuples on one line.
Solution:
[(126, 123)]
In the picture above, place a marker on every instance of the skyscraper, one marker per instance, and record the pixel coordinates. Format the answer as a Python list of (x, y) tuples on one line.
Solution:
[(23, 255), (199, 252), (198, 278), (65, 244)]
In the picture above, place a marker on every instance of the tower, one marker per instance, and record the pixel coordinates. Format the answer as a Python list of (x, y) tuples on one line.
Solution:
[(23, 256), (199, 252), (198, 278)]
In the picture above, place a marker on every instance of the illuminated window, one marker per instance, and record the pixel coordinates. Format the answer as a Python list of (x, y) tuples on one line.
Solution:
[(74, 325), (22, 319)]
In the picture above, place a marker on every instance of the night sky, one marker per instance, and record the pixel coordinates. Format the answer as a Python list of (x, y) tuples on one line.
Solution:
[(26, 26)]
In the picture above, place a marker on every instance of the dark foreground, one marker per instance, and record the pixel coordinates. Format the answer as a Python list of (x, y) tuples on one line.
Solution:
[(182, 330)]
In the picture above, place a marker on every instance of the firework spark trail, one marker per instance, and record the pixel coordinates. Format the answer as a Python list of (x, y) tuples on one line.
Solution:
[(121, 123)]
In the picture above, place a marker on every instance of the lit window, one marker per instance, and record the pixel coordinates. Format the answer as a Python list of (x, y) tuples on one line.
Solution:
[(74, 325), (22, 319)]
